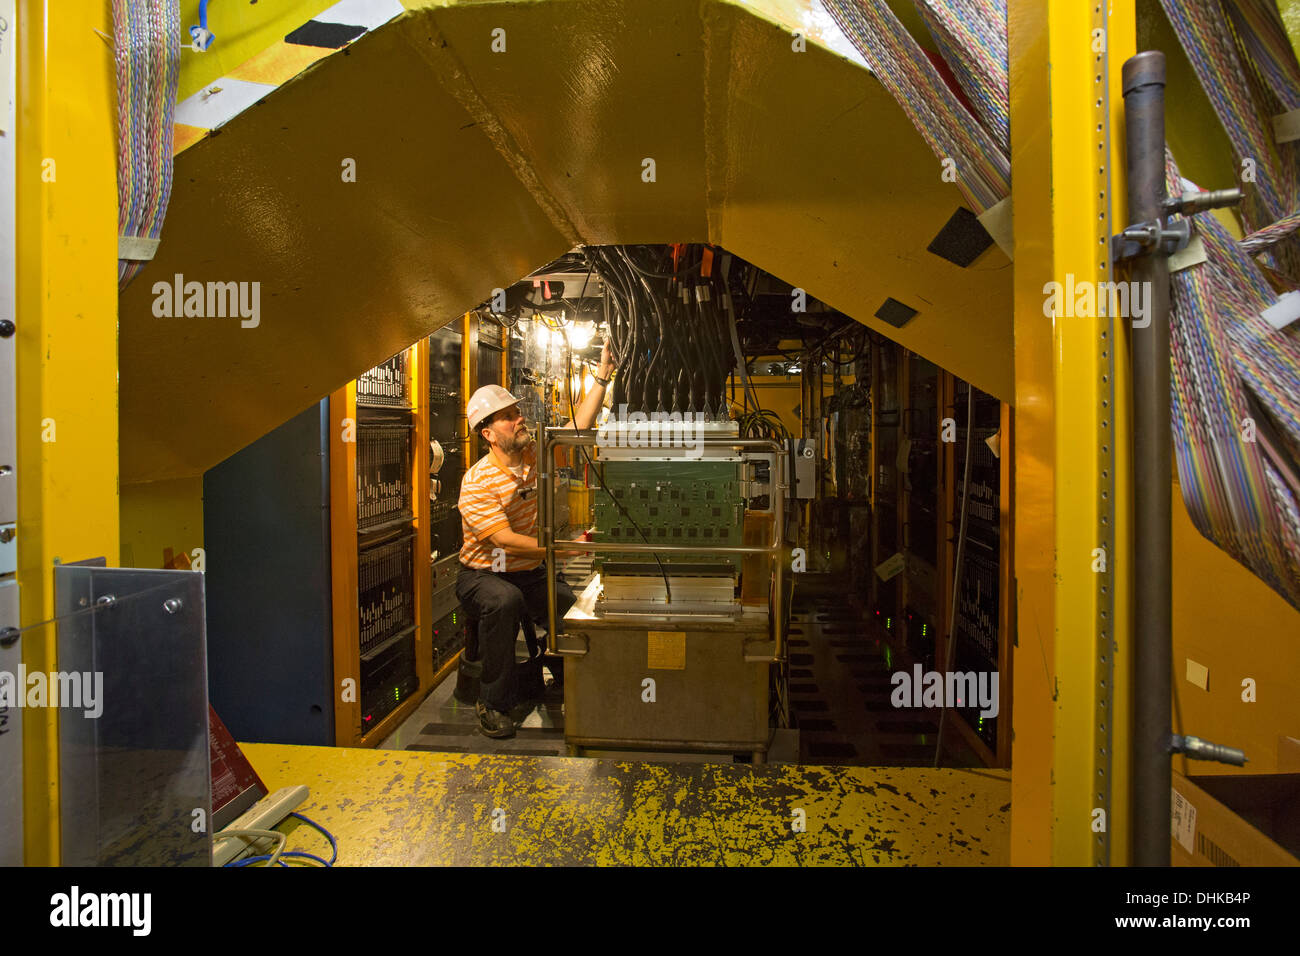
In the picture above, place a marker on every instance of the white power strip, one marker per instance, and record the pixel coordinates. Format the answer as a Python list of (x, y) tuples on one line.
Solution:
[(263, 815)]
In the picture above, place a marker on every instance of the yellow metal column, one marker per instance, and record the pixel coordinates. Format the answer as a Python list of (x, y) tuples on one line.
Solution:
[(66, 343), (1072, 549), (343, 565)]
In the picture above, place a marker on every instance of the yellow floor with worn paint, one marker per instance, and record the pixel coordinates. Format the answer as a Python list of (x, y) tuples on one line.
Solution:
[(396, 808)]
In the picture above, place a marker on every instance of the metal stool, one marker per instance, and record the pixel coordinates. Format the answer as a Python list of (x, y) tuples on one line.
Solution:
[(470, 672)]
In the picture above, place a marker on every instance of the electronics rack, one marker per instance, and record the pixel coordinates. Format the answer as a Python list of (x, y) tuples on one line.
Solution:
[(379, 533), (915, 515), (979, 596), (386, 592), (885, 536), (383, 472), (447, 427), (386, 385), (386, 596), (921, 507)]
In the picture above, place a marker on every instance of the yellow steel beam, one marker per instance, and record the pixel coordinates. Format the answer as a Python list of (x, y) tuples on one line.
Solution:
[(66, 216), (1072, 548), (1035, 448)]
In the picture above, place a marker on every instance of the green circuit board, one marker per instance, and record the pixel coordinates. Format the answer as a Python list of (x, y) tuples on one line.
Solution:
[(674, 503)]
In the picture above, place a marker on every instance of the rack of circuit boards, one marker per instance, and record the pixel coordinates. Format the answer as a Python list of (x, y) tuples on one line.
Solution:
[(981, 619), (386, 596), (448, 450)]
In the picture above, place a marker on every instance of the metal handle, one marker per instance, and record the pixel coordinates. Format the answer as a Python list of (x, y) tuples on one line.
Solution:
[(1199, 749)]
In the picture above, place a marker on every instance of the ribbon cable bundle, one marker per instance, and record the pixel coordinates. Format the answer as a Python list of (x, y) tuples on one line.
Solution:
[(972, 37), (147, 52), (1236, 378)]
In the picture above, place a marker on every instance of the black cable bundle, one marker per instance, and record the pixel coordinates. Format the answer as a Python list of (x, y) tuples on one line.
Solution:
[(668, 336)]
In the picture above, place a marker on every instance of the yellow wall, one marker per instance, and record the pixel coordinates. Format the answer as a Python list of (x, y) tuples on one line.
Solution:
[(1228, 620), (782, 394), (161, 514), (1290, 10), (242, 30)]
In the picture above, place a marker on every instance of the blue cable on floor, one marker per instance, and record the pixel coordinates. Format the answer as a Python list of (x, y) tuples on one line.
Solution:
[(334, 848)]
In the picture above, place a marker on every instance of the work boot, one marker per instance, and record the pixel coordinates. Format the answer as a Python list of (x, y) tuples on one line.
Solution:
[(493, 723)]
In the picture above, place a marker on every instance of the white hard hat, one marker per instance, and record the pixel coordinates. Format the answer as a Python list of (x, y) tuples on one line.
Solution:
[(488, 399)]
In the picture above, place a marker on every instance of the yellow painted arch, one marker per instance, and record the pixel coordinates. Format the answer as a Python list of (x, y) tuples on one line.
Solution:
[(474, 167)]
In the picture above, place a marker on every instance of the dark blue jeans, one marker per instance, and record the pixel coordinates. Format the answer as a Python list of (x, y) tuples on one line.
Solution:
[(500, 601)]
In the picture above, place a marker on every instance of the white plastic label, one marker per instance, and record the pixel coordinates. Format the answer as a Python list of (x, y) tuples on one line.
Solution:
[(1286, 127), (890, 567), (996, 220), (1182, 821), (1283, 312), (1192, 254)]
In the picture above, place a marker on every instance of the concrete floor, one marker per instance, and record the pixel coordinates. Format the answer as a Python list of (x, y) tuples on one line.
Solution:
[(396, 808)]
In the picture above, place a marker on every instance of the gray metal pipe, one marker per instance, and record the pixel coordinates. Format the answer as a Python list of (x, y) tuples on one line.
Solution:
[(1144, 114)]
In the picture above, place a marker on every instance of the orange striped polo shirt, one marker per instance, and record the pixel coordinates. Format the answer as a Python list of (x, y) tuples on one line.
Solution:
[(493, 499)]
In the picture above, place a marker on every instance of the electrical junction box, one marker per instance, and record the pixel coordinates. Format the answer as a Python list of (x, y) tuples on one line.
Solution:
[(803, 456), (764, 472)]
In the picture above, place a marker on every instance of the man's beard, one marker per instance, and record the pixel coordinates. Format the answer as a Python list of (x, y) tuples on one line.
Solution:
[(517, 442)]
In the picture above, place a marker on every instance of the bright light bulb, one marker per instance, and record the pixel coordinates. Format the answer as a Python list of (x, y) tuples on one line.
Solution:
[(580, 336)]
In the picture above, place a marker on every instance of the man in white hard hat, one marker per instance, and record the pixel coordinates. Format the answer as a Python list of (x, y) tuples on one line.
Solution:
[(502, 577)]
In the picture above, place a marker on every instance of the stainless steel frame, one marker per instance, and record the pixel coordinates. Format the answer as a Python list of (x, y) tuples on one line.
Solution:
[(553, 437)]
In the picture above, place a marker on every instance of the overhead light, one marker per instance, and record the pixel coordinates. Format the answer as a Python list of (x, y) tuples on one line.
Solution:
[(580, 335)]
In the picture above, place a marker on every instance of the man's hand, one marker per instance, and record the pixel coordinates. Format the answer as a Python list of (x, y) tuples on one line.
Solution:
[(606, 368)]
